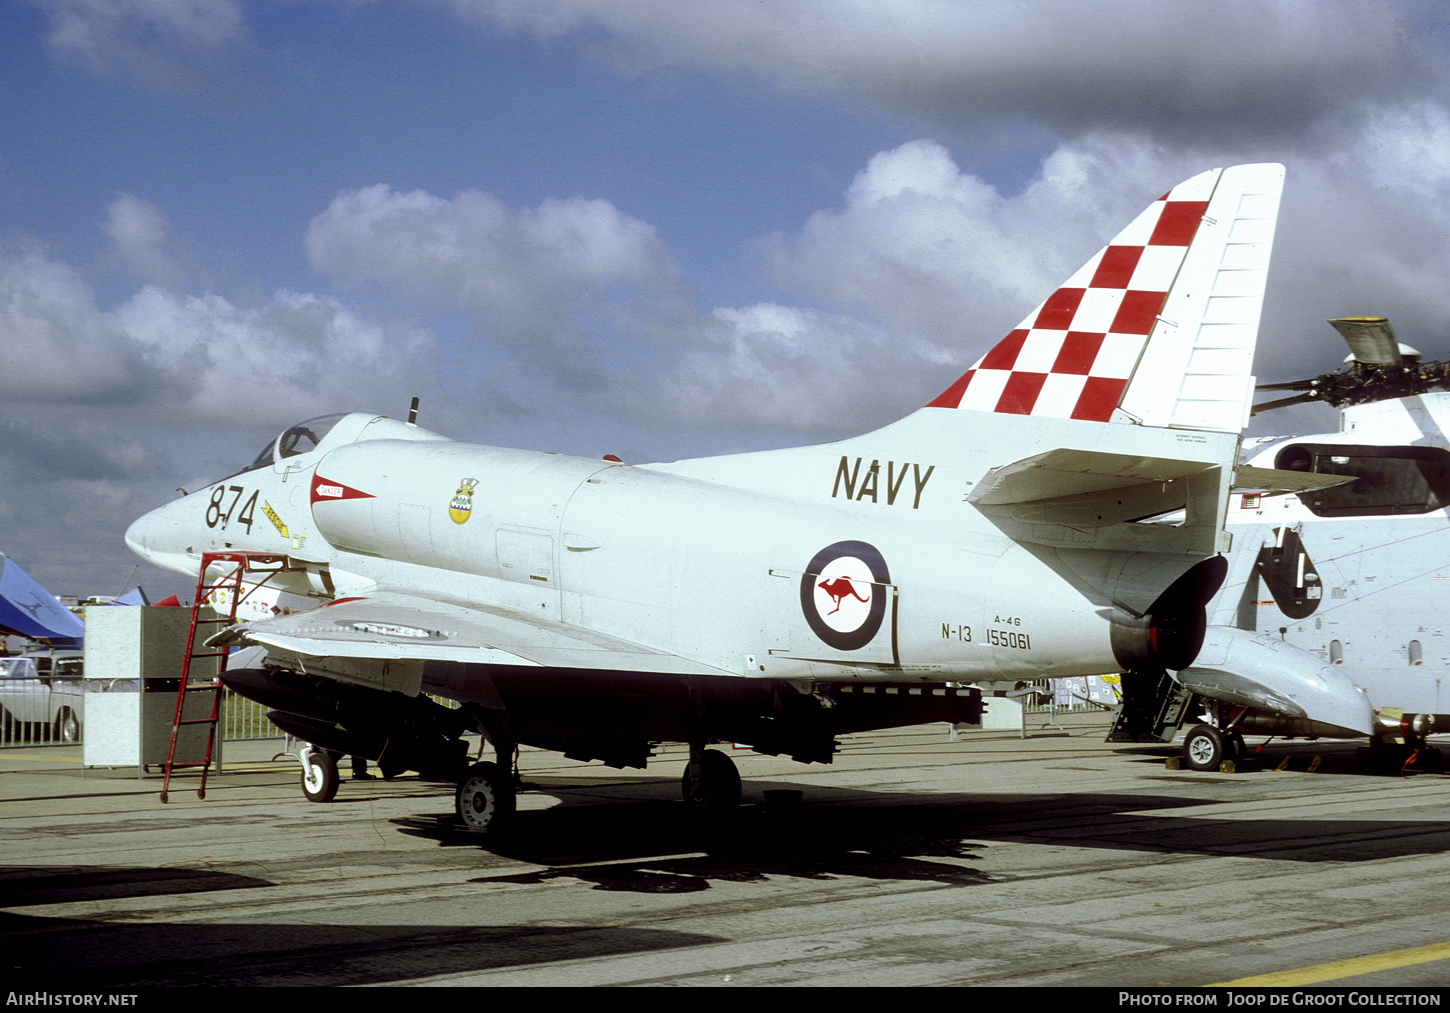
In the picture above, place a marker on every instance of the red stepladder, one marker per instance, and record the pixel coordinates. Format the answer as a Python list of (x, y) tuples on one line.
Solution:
[(232, 566)]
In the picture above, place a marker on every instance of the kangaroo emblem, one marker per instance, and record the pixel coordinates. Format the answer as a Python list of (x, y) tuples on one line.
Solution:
[(838, 589)]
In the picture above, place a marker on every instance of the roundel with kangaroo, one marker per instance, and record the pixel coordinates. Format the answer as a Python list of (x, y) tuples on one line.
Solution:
[(843, 594)]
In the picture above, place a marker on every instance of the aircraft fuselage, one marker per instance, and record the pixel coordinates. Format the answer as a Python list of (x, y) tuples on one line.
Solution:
[(856, 560)]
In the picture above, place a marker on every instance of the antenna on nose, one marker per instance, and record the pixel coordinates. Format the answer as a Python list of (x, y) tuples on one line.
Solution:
[(413, 413)]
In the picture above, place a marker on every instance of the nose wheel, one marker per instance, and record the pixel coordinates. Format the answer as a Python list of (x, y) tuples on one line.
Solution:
[(1206, 748), (319, 775)]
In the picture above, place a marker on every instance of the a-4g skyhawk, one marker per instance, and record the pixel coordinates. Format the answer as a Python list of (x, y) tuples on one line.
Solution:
[(775, 599)]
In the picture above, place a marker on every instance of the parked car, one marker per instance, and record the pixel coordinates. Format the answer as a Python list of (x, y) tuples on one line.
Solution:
[(42, 697)]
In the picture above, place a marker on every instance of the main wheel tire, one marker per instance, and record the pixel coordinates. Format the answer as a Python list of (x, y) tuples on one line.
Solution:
[(319, 776), (67, 727), (711, 783), (485, 798), (1205, 748)]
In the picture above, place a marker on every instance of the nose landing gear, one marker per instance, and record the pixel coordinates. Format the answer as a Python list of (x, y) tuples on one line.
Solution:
[(1208, 748)]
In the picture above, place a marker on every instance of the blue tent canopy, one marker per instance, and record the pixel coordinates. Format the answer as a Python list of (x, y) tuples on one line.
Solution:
[(31, 611)]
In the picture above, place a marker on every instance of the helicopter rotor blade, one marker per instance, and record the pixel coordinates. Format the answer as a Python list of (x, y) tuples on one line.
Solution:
[(1378, 368), (1371, 340), (1287, 385), (1284, 402)]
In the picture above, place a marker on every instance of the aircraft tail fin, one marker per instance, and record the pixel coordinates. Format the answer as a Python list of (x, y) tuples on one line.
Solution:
[(1158, 328)]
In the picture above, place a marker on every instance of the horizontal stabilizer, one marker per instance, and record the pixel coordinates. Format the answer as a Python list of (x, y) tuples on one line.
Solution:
[(1123, 526), (1060, 473), (1088, 489)]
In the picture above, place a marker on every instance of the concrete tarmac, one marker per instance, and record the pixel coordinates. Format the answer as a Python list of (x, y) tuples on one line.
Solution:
[(913, 860)]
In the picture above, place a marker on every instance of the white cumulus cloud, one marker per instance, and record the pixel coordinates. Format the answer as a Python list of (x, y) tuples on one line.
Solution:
[(165, 45), (533, 277), (55, 345), (201, 357), (140, 234)]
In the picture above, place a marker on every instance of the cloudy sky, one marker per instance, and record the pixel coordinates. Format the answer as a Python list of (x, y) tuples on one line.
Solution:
[(659, 228)]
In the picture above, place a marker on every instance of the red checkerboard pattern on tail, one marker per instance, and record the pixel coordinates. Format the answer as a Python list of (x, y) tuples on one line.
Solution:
[(1175, 295)]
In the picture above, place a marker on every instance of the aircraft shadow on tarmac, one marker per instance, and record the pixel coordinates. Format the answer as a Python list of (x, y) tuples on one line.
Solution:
[(24, 885), (648, 846), (78, 954), (657, 846), (75, 954)]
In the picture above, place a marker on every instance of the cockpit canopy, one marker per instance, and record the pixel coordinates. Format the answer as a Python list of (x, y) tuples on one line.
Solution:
[(298, 439), (335, 430)]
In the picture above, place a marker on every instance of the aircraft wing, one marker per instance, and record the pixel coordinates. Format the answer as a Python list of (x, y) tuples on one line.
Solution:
[(388, 624)]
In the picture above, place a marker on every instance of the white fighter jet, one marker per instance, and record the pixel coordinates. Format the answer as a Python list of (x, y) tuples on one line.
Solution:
[(776, 599)]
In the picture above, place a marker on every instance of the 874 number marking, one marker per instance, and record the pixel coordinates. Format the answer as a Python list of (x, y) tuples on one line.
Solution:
[(219, 510)]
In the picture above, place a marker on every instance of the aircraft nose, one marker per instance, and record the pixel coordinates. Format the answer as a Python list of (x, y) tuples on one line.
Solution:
[(159, 538), (137, 536)]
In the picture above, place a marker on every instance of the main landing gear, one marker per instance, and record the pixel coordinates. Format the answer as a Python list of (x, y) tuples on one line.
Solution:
[(1208, 748), (487, 795), (485, 798), (711, 784)]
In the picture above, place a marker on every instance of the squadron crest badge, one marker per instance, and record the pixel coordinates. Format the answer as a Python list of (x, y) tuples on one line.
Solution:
[(460, 508)]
